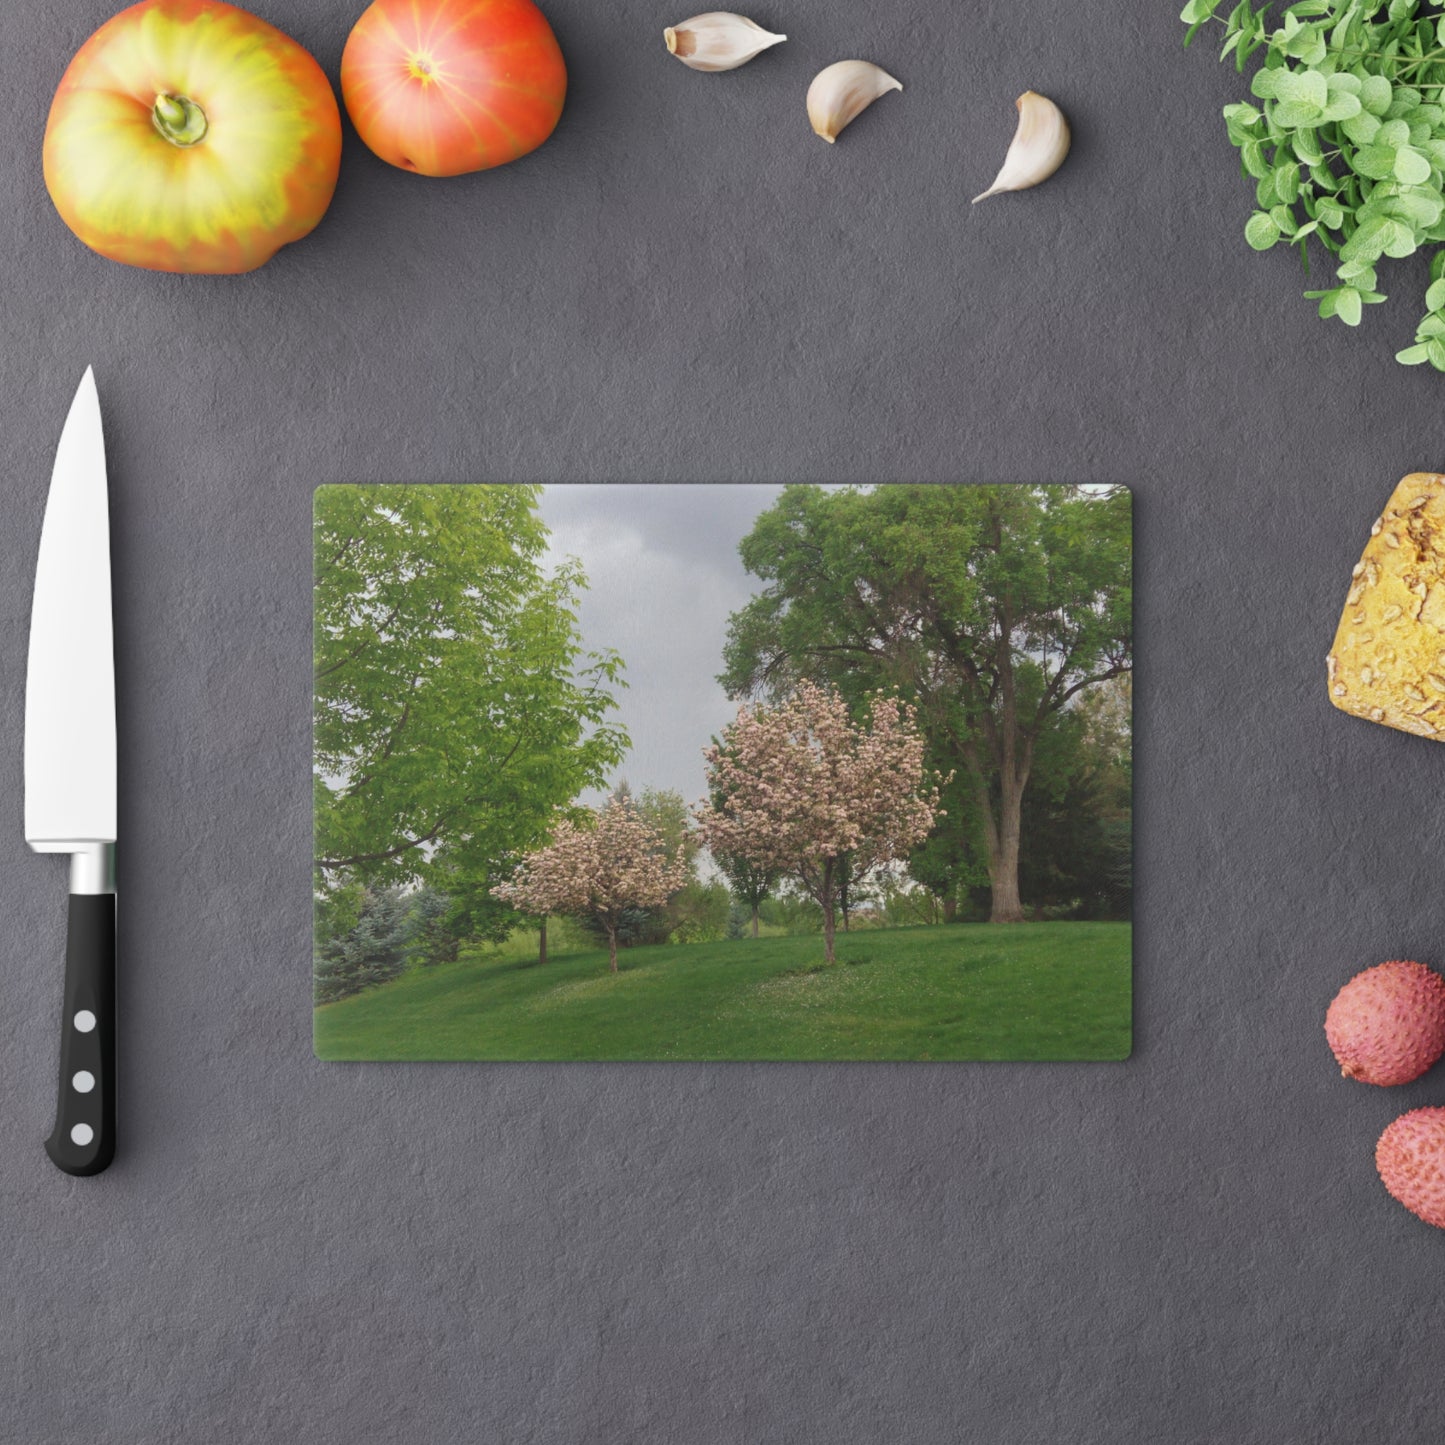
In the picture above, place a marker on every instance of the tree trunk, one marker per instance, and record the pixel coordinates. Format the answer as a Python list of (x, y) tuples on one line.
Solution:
[(827, 902), (1003, 863), (755, 920), (542, 941), (612, 947), (1012, 749), (950, 908)]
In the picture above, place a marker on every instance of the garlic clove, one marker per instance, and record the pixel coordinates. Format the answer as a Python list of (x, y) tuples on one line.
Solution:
[(1038, 148), (842, 92), (718, 40)]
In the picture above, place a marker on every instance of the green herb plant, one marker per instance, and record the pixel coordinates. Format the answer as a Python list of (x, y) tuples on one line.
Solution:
[(1347, 144)]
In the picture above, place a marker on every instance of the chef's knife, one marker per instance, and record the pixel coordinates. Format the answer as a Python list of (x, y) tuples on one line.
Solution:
[(70, 773)]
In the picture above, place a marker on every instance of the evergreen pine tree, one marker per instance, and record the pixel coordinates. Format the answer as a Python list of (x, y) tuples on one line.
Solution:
[(373, 951)]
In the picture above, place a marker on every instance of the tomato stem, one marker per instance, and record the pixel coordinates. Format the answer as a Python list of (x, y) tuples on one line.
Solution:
[(179, 119)]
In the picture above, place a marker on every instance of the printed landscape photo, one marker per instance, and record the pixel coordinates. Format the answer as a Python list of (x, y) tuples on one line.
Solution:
[(723, 772)]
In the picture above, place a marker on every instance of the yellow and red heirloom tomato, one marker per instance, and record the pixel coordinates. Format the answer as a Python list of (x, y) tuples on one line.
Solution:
[(443, 87), (188, 135)]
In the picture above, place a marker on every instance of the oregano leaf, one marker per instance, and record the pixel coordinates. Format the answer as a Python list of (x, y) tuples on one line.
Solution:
[(1286, 182), (1362, 128), (1260, 231), (1411, 168), (1375, 161), (1375, 94)]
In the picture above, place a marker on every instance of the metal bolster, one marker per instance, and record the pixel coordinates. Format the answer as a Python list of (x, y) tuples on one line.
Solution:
[(92, 863), (92, 869)]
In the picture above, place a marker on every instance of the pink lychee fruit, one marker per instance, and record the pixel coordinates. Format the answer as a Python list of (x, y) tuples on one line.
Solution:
[(1411, 1159), (1387, 1024)]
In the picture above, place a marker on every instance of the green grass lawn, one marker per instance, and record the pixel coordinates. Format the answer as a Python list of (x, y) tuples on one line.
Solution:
[(966, 991)]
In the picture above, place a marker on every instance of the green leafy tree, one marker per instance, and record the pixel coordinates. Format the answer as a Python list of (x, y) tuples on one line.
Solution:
[(991, 607), (666, 812), (698, 912), (903, 903), (1108, 877), (953, 859), (1075, 821), (1082, 836), (1064, 822), (791, 909), (455, 707), (750, 883)]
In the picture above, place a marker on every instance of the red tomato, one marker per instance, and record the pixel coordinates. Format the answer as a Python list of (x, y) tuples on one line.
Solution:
[(443, 87)]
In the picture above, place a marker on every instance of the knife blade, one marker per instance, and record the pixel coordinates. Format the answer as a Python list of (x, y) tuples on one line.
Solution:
[(70, 773)]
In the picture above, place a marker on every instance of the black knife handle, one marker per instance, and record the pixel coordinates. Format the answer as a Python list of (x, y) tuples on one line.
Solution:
[(83, 1141)]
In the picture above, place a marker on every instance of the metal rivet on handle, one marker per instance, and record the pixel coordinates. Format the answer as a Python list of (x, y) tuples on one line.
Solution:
[(82, 1134), (83, 1082), (85, 1021)]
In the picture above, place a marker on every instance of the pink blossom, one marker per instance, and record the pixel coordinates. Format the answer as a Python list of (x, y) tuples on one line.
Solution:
[(614, 861), (800, 787)]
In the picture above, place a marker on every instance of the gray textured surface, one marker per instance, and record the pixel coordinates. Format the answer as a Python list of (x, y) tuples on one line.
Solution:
[(685, 284)]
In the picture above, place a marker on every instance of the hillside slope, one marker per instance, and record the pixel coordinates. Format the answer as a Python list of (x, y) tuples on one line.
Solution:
[(1030, 991)]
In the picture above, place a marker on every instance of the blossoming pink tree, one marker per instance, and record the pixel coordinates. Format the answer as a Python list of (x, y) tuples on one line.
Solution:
[(799, 786), (618, 862)]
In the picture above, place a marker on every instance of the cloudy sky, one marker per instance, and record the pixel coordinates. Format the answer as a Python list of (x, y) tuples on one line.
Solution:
[(664, 575)]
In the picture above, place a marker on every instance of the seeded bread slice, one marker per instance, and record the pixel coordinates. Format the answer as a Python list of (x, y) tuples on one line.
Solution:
[(1388, 660)]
